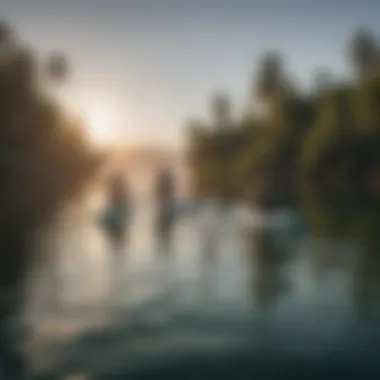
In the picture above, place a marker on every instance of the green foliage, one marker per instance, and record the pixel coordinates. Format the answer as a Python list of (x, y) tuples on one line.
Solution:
[(363, 50), (319, 152)]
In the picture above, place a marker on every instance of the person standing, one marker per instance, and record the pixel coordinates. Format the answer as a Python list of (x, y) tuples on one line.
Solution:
[(115, 218), (115, 222), (165, 198)]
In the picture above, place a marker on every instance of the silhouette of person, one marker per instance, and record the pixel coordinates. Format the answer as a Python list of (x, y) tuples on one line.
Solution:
[(115, 223), (165, 193), (116, 216)]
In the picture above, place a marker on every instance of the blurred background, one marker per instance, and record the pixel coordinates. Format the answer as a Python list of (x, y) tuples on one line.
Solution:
[(190, 189)]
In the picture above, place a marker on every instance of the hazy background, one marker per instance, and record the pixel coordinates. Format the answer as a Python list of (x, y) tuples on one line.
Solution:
[(149, 64)]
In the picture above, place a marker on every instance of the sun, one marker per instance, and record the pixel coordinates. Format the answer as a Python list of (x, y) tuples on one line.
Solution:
[(99, 123)]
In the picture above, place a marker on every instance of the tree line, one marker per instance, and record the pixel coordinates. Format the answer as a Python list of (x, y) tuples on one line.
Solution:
[(317, 152)]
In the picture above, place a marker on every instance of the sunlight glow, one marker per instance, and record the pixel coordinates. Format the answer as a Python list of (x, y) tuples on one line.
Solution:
[(99, 121)]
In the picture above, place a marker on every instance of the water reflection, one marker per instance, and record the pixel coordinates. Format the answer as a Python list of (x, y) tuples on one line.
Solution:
[(208, 233), (266, 281), (212, 287), (366, 286)]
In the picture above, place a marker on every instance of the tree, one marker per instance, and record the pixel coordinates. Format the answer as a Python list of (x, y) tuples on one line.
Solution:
[(323, 80), (44, 162), (6, 36), (57, 70), (195, 128), (363, 51), (318, 152), (221, 109), (270, 77), (57, 67)]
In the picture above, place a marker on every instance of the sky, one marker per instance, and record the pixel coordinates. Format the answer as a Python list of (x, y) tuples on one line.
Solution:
[(146, 66)]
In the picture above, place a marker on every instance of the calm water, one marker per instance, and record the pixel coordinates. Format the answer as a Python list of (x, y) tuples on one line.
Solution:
[(206, 311)]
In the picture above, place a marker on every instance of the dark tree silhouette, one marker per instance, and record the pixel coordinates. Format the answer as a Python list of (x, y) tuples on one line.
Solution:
[(6, 34), (221, 110), (57, 68), (323, 80), (44, 162), (270, 80), (363, 50)]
